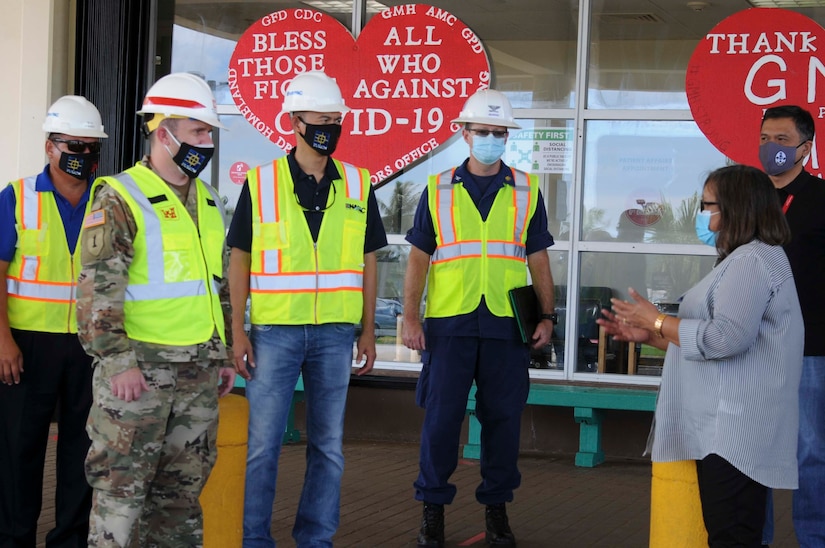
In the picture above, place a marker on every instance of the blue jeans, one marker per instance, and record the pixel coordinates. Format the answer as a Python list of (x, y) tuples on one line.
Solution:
[(809, 501), (323, 355)]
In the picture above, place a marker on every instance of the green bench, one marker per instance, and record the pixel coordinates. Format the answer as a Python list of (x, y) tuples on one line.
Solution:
[(291, 433), (589, 404)]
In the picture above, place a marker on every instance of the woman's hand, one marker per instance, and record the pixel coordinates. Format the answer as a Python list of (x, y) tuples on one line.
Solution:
[(640, 314), (620, 330)]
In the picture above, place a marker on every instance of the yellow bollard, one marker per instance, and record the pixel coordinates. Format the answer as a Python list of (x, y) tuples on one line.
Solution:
[(675, 508), (222, 496)]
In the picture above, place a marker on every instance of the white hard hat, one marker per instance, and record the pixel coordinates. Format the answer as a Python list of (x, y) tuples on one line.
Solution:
[(75, 116), (313, 91), (182, 95), (487, 106)]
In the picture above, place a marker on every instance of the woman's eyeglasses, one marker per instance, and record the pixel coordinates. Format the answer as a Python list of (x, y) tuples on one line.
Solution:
[(78, 147), (499, 133), (703, 204)]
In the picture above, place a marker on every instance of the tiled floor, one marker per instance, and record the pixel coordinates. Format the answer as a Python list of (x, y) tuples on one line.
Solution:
[(558, 505)]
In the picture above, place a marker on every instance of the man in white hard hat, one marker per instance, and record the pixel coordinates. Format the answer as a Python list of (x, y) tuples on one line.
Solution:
[(305, 212), (153, 308), (43, 368), (473, 230)]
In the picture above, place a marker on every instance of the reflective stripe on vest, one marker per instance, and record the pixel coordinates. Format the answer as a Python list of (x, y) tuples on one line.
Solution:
[(157, 287), (172, 296), (269, 213), (41, 294), (293, 280), (477, 258), (451, 249)]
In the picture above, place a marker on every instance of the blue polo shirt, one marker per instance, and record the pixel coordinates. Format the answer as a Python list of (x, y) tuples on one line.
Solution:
[(72, 216), (480, 322)]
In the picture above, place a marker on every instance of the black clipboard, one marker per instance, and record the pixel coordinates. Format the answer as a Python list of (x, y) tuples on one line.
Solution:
[(526, 309)]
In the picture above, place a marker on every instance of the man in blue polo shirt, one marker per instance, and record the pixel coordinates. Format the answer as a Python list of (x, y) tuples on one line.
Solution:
[(42, 364), (474, 228)]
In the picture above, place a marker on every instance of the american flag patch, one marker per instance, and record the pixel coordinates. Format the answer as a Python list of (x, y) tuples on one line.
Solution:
[(95, 218)]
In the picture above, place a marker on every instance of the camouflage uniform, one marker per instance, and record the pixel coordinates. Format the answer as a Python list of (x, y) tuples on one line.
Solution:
[(149, 458)]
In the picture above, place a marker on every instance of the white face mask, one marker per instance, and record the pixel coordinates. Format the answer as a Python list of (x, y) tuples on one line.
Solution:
[(488, 149)]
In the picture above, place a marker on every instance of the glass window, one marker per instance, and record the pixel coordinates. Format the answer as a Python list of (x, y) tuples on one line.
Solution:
[(547, 148), (639, 57), (661, 278), (205, 33), (643, 180), (239, 148), (531, 45)]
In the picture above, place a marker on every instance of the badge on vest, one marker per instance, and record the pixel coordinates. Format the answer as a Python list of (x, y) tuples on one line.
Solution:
[(356, 207), (169, 213)]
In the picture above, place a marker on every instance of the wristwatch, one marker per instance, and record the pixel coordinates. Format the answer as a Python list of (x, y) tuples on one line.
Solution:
[(552, 317)]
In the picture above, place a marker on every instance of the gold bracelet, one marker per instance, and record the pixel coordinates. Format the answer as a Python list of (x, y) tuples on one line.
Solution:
[(658, 324)]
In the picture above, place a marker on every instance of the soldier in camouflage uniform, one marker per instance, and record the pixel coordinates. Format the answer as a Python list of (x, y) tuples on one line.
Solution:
[(153, 303)]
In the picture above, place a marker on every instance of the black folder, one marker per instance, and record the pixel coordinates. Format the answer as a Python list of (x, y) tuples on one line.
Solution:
[(526, 309)]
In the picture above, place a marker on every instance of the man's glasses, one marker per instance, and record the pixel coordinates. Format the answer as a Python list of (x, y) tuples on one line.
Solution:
[(703, 204), (499, 133), (78, 147)]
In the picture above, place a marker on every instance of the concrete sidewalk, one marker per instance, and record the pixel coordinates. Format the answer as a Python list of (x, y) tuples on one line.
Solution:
[(558, 505)]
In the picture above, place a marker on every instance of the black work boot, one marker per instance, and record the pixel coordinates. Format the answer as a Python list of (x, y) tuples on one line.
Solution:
[(498, 528), (432, 526)]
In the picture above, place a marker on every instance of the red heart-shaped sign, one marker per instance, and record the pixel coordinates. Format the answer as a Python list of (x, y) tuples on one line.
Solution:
[(408, 74), (753, 60)]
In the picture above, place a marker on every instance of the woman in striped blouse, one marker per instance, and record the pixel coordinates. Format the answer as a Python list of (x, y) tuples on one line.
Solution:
[(729, 392)]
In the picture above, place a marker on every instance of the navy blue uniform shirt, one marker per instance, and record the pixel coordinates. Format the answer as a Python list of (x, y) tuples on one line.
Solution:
[(72, 216), (480, 322), (311, 195)]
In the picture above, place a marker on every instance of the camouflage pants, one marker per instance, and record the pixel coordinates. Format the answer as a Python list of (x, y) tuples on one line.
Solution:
[(150, 458)]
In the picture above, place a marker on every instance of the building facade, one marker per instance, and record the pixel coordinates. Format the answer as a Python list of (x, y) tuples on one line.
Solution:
[(598, 87)]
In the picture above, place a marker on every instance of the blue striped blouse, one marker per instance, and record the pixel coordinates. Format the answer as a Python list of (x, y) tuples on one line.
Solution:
[(732, 386)]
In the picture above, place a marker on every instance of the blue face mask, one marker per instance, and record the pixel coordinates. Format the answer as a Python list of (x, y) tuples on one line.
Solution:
[(703, 231), (489, 149), (776, 158)]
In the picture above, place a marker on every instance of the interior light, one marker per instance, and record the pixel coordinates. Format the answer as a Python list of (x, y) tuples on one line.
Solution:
[(343, 6), (787, 3)]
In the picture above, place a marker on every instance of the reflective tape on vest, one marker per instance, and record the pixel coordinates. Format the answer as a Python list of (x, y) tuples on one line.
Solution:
[(299, 283), (30, 205), (450, 248), (157, 287), (460, 250), (27, 285), (41, 291), (269, 213)]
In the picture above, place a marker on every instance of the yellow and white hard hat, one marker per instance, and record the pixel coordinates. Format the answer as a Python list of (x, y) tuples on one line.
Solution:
[(181, 95), (487, 106), (313, 91), (75, 116)]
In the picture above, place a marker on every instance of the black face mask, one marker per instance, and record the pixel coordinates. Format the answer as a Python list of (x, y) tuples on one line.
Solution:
[(191, 159), (322, 138), (79, 165)]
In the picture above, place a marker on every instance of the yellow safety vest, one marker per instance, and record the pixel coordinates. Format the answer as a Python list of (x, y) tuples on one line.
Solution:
[(293, 280), (42, 277), (172, 296), (476, 257)]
